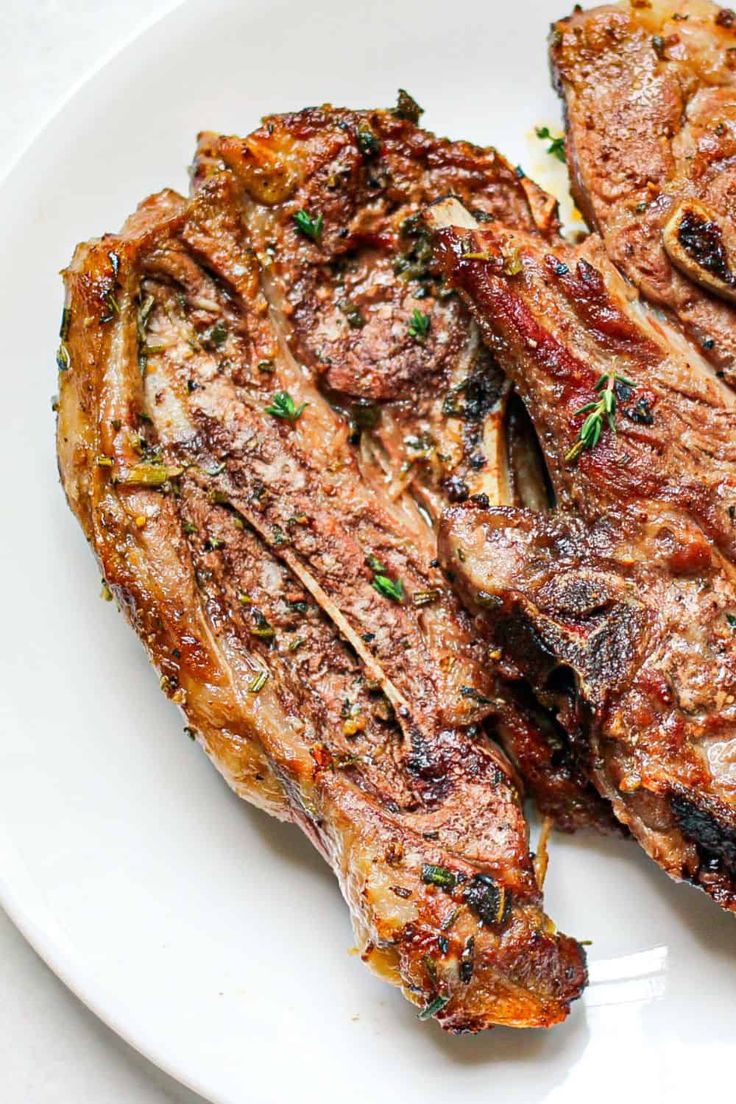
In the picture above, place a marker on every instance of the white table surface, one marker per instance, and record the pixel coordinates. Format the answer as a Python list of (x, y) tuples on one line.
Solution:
[(52, 1050)]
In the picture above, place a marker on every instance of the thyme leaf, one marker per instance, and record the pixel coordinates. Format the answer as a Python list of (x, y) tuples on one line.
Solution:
[(418, 325), (283, 406), (556, 146), (600, 410), (309, 225)]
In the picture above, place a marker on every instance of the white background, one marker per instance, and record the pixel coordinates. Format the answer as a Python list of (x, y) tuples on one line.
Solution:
[(52, 1050)]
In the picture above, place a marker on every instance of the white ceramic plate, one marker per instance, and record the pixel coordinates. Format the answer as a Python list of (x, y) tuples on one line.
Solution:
[(213, 939)]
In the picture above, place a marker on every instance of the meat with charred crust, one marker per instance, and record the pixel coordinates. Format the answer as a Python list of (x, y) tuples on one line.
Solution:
[(280, 588), (620, 606), (649, 92)]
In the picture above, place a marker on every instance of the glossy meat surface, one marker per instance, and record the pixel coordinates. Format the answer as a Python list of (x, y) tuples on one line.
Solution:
[(649, 91), (289, 597), (620, 607)]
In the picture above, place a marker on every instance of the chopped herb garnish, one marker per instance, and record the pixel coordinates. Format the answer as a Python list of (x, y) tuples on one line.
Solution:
[(266, 366), (309, 225), (278, 536), (258, 682), (602, 408), (261, 627), (189, 527), (215, 337), (731, 618), (407, 107), (488, 900), (433, 1008), (438, 876), (418, 325), (63, 360), (475, 695), (283, 406), (150, 475), (556, 145), (389, 588), (368, 142), (296, 643), (467, 963), (113, 308), (353, 317), (66, 318)]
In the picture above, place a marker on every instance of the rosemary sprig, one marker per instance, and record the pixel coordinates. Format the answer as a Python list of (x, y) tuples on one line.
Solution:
[(602, 409)]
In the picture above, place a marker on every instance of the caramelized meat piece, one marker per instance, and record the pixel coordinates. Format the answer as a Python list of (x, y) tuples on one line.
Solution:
[(650, 101), (281, 591), (620, 607), (332, 200)]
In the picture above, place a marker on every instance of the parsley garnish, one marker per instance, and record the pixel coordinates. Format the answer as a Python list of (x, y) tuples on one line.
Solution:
[(418, 325), (603, 407), (731, 618), (309, 225), (283, 406), (556, 145)]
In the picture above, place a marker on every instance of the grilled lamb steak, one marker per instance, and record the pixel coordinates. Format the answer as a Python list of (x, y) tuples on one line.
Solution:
[(427, 407), (650, 101), (620, 606), (288, 595)]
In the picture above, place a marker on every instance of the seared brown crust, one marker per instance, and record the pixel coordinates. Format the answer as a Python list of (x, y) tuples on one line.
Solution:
[(236, 543), (621, 606), (650, 101)]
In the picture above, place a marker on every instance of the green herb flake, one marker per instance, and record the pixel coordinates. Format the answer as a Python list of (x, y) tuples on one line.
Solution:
[(266, 366), (353, 317), (556, 146), (258, 682), (367, 141), (418, 326), (66, 320), (113, 307), (433, 1008), (407, 107), (63, 359), (261, 627), (309, 225), (216, 336), (438, 876), (731, 619), (283, 406), (389, 588)]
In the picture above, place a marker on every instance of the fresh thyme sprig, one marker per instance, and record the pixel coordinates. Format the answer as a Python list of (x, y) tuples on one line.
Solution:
[(309, 225), (556, 145), (603, 408)]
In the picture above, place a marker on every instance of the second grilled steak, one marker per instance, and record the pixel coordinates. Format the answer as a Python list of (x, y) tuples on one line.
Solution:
[(288, 595)]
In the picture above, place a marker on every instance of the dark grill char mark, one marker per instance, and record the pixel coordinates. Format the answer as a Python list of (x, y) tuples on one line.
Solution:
[(234, 497), (627, 589)]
